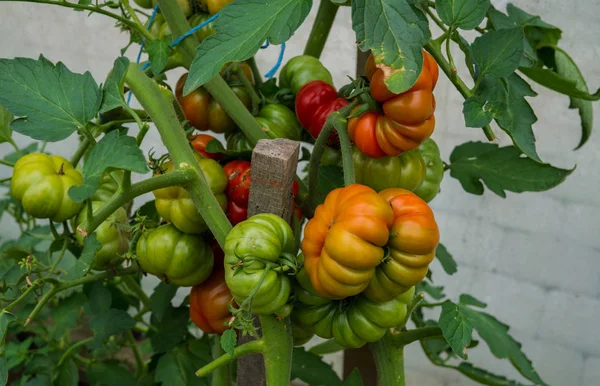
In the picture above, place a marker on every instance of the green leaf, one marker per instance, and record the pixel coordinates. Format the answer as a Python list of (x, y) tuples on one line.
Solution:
[(3, 371), (446, 259), (498, 53), (171, 329), (177, 368), (500, 20), (158, 54), (112, 91), (470, 300), (456, 328), (537, 31), (160, 300), (457, 323), (51, 101), (436, 292), (354, 379), (110, 323), (215, 146), (501, 169), (6, 318), (485, 377), (5, 119), (311, 369), (477, 113), (110, 373), (66, 314), (395, 31), (229, 341), (465, 14), (99, 298), (82, 266), (68, 374), (102, 157), (242, 27)]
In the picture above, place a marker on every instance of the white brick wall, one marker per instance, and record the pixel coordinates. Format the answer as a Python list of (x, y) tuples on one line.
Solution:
[(535, 258)]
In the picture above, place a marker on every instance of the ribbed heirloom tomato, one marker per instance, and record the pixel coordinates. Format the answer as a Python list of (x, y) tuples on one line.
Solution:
[(41, 183), (238, 190), (434, 171), (262, 242), (174, 203), (407, 118), (175, 257), (413, 238), (209, 303), (344, 241), (351, 322)]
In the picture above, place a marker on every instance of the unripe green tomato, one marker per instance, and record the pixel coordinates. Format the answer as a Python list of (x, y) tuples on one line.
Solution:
[(301, 70), (175, 205), (237, 141), (434, 170), (205, 31), (112, 234), (175, 257), (41, 183), (279, 122), (404, 171), (108, 186), (331, 156), (144, 3), (213, 6)]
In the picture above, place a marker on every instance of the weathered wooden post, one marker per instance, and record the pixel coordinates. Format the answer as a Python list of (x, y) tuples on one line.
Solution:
[(274, 163)]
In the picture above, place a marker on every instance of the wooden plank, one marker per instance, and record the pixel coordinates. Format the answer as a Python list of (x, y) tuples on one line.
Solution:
[(274, 163)]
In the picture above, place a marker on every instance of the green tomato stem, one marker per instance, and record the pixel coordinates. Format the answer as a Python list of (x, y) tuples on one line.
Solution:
[(347, 162), (6, 163), (320, 29), (131, 24), (433, 47), (137, 290), (73, 348), (435, 19), (63, 250), (258, 81), (174, 138), (132, 13), (76, 157), (178, 25), (389, 360), (180, 177), (139, 361), (249, 89), (61, 286), (251, 347), (411, 307), (407, 337), (221, 375), (278, 352)]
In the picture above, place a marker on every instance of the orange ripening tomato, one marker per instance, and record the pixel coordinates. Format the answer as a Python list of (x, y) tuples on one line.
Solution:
[(200, 141), (209, 303), (407, 118), (344, 241), (413, 239)]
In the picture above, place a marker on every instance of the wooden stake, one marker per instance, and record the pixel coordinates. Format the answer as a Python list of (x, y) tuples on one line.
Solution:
[(274, 163)]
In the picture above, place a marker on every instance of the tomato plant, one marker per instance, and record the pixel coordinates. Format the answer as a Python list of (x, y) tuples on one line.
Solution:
[(98, 226)]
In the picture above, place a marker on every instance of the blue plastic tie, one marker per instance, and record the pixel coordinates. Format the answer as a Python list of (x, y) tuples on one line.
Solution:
[(265, 45), (194, 30), (278, 64)]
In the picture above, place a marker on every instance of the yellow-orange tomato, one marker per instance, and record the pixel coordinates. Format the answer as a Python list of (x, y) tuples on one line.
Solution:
[(407, 118), (209, 303), (344, 241), (413, 239)]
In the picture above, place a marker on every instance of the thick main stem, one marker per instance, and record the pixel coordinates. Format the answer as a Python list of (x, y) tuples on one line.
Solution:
[(277, 352), (389, 359), (221, 376), (321, 28), (173, 136)]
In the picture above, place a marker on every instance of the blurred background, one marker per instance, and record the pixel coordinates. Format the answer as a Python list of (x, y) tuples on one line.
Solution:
[(533, 257)]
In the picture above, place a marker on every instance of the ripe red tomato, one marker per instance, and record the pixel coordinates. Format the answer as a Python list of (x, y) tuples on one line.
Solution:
[(238, 190)]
